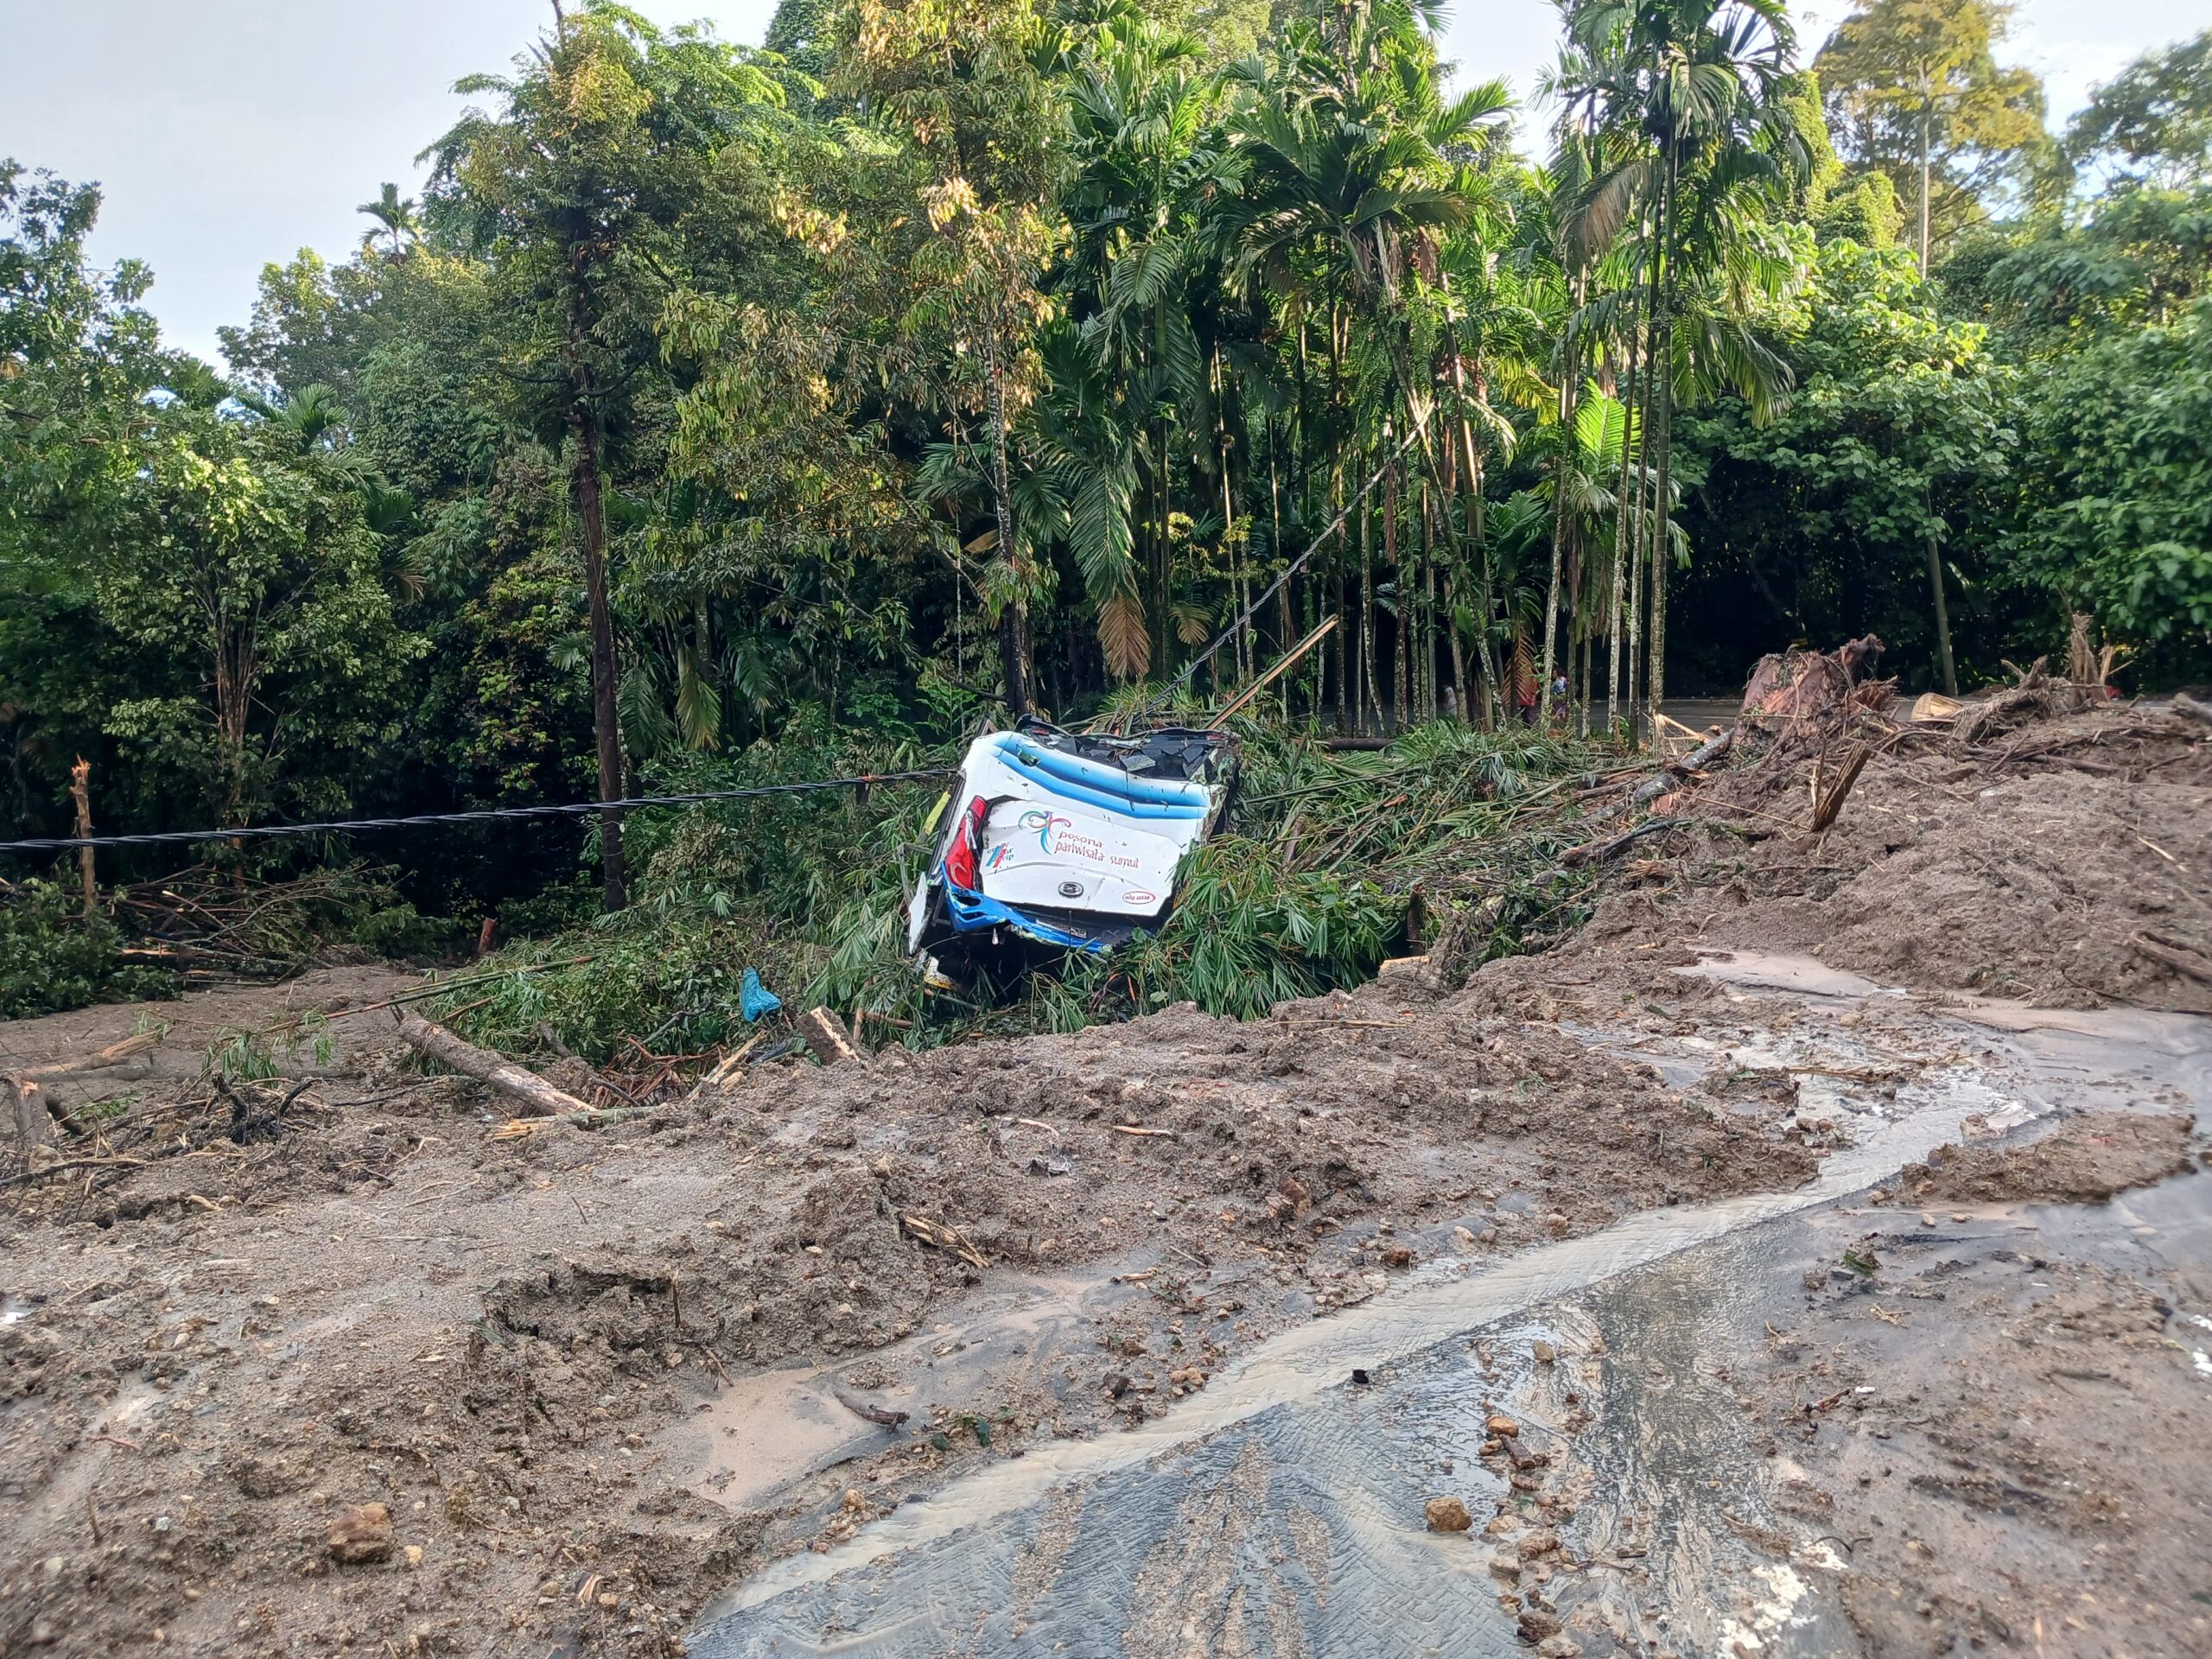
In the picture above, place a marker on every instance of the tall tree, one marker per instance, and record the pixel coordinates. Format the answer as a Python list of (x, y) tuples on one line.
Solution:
[(1914, 91), (2152, 122), (1695, 95), (396, 217), (963, 85), (574, 188)]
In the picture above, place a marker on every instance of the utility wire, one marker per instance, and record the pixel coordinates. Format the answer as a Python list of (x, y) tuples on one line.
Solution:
[(485, 815), (492, 815), (1291, 569)]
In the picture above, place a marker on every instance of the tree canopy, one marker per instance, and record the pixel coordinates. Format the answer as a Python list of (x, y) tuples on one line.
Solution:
[(937, 362)]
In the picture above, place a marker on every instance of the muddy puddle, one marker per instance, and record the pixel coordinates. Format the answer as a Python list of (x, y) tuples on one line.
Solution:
[(1279, 1511)]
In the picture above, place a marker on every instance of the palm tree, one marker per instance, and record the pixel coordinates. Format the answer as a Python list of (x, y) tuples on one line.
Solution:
[(396, 217), (1688, 91), (1356, 169), (1147, 165)]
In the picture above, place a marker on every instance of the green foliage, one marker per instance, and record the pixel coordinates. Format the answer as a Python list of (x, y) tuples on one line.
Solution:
[(52, 959), (2118, 517), (1915, 83), (2137, 260), (2153, 120), (1245, 934), (1904, 427), (806, 888), (1313, 883)]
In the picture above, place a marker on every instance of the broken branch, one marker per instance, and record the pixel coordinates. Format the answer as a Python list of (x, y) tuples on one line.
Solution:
[(882, 1415), (1830, 801), (2159, 950), (504, 1075), (948, 1239)]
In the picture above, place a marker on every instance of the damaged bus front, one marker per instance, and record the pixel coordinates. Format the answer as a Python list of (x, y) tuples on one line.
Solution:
[(1067, 841)]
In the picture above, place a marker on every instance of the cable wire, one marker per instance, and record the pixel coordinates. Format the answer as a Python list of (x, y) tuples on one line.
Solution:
[(484, 814)]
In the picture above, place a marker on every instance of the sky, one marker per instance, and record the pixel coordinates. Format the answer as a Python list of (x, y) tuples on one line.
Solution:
[(229, 133)]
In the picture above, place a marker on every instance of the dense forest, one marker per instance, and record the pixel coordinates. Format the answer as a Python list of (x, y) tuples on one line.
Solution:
[(721, 413)]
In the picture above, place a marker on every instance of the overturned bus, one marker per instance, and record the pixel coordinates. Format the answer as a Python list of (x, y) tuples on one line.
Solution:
[(1061, 840)]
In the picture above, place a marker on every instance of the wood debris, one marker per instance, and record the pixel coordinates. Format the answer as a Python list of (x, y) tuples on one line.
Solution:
[(509, 1079), (825, 1033), (943, 1237)]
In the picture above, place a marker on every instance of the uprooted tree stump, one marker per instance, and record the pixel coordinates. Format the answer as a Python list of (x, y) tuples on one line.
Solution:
[(35, 1114)]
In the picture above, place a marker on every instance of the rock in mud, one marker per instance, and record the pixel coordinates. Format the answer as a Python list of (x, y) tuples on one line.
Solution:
[(1543, 1352), (1447, 1514), (1537, 1545), (1537, 1625), (362, 1533), (1502, 1426)]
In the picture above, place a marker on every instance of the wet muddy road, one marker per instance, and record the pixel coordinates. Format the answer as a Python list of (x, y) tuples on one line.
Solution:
[(1664, 1491)]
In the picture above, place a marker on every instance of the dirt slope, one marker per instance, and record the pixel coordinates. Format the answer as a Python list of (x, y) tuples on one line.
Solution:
[(2032, 866)]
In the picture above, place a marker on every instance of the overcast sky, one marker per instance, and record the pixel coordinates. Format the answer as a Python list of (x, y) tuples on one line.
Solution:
[(227, 133)]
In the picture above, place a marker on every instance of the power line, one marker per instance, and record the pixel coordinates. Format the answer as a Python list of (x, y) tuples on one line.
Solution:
[(484, 814)]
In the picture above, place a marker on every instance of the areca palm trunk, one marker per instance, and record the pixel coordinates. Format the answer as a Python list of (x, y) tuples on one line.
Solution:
[(1427, 602), (1013, 619), (1401, 635), (1623, 513), (1561, 494), (1484, 663), (1663, 390), (1641, 538)]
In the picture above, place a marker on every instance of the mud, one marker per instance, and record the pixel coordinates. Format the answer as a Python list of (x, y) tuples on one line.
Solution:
[(2085, 1161), (1672, 1386), (507, 1339), (2026, 868), (600, 1380), (2000, 1429)]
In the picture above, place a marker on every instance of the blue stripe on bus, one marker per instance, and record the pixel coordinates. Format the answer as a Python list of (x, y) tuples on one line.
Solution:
[(1096, 775)]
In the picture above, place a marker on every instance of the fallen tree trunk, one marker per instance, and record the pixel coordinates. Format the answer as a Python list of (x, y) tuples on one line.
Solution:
[(1674, 771), (481, 1064), (114, 1054), (2162, 950), (2190, 709)]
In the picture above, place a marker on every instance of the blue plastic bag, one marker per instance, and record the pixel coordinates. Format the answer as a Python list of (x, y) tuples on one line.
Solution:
[(754, 999)]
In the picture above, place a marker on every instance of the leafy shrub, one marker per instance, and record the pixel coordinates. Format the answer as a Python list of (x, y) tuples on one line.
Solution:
[(52, 959)]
